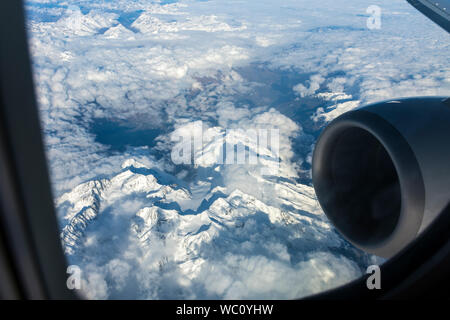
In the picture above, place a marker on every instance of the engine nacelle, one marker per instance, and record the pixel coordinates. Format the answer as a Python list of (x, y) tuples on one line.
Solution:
[(382, 172)]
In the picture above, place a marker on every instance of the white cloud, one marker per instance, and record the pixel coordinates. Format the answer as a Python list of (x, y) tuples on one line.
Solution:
[(314, 84)]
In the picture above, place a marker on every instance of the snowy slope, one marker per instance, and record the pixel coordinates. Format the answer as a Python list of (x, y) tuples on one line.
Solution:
[(220, 234)]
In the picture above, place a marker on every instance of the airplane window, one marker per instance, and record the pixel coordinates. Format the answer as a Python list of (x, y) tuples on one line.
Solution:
[(180, 138)]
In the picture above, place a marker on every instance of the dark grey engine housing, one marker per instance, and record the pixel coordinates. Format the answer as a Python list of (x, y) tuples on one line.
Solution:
[(382, 172)]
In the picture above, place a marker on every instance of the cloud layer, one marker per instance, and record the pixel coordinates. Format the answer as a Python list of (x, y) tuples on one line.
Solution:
[(116, 80)]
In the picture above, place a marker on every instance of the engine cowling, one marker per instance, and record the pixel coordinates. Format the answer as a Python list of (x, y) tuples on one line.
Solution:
[(382, 172)]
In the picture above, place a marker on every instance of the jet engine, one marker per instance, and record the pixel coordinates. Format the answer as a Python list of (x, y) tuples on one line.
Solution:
[(382, 172)]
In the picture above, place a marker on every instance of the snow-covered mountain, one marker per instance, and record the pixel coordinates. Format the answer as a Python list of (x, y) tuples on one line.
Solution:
[(184, 237)]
